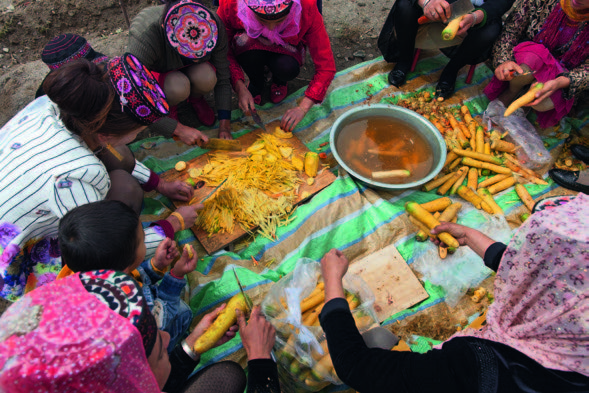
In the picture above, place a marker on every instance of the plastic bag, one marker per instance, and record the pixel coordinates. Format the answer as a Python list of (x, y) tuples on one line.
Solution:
[(301, 350), (531, 151), (464, 269)]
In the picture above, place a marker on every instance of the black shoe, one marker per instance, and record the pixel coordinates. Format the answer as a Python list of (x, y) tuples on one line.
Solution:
[(568, 179), (581, 152), (445, 89), (397, 78)]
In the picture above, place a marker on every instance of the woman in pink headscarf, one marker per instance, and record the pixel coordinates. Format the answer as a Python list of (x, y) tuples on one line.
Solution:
[(276, 34), (93, 332), (536, 337)]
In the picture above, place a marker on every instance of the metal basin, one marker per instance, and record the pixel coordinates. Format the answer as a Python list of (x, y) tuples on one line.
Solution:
[(429, 132)]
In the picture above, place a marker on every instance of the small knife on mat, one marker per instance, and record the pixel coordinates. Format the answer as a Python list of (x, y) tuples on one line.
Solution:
[(258, 121), (248, 301)]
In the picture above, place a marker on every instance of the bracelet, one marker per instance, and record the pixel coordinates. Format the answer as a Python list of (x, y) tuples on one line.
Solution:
[(155, 269), (193, 355), (426, 2), (180, 218), (474, 17)]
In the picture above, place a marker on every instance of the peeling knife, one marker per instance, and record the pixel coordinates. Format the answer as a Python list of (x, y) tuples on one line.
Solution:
[(514, 73), (208, 196), (248, 301), (258, 121)]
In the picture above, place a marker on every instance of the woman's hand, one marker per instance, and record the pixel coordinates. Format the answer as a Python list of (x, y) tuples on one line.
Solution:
[(258, 335), (188, 213), (185, 264), (165, 254), (225, 129), (245, 99), (334, 266), (562, 82), (460, 232), (438, 10), (506, 70), (293, 116), (189, 135), (205, 323), (469, 21), (175, 190)]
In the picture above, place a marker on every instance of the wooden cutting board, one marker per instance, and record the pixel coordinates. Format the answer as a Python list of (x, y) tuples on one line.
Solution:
[(392, 281), (221, 240)]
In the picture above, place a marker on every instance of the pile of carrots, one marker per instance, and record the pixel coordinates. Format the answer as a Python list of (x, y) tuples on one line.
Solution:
[(473, 152), (315, 373)]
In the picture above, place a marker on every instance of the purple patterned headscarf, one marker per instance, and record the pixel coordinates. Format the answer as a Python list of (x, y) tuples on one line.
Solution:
[(542, 290), (289, 27)]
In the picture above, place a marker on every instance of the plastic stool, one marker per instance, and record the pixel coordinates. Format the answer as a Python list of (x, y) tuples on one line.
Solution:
[(469, 76)]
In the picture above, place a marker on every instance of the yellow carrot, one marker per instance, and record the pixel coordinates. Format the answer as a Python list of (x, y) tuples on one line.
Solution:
[(501, 145), (485, 165), (437, 204), (442, 251), (525, 196), (502, 185), (446, 186), (425, 217), (450, 212), (480, 140), (487, 148), (492, 180), (524, 100), (459, 182), (423, 232), (473, 178), (479, 156), (488, 198), (450, 157), (455, 163), (450, 31), (437, 182), (468, 195)]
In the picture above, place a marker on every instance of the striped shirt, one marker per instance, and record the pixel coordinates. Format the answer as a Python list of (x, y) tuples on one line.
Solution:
[(45, 171)]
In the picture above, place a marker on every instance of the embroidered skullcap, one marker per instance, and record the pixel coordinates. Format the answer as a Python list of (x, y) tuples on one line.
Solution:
[(67, 47), (270, 9), (123, 295), (140, 94), (191, 29), (82, 333)]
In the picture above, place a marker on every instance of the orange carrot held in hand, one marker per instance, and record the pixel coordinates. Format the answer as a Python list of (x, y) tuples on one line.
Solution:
[(524, 100)]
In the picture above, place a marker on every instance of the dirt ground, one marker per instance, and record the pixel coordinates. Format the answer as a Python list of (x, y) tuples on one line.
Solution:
[(26, 26)]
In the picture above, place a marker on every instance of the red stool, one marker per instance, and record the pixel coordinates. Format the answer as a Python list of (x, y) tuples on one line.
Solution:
[(469, 76)]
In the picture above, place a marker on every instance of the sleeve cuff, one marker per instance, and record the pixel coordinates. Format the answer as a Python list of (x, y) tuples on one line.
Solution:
[(166, 227), (172, 285), (493, 255), (141, 172), (223, 114), (337, 304), (152, 183)]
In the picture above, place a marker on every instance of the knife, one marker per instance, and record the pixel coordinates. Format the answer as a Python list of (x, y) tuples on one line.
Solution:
[(258, 121), (458, 8), (515, 74), (210, 194), (248, 301), (223, 144)]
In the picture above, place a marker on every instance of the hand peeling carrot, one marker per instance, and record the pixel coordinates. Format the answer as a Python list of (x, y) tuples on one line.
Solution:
[(425, 217), (450, 31), (524, 100)]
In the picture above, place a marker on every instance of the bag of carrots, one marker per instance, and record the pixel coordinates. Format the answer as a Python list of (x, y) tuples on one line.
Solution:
[(293, 306)]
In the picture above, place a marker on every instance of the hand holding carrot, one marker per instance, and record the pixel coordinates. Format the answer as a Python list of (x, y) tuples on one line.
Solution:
[(205, 323), (466, 236), (165, 253), (438, 10), (549, 88), (505, 71), (186, 263)]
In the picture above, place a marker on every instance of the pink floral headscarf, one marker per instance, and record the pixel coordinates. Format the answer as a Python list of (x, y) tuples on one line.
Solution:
[(61, 338), (289, 27), (541, 303)]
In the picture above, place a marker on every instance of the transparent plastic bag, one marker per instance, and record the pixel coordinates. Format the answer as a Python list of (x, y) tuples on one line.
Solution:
[(531, 151), (464, 269), (301, 350)]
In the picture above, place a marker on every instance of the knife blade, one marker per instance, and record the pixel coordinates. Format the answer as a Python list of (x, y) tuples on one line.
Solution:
[(223, 144), (248, 301), (258, 120), (515, 73), (210, 194)]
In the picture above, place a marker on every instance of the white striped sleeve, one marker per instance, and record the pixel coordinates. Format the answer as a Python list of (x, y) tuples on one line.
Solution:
[(153, 237), (141, 172), (77, 188)]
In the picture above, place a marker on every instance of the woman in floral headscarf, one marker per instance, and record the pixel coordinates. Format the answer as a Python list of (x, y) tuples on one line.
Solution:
[(551, 38), (275, 33), (93, 332), (68, 148), (185, 43), (536, 337)]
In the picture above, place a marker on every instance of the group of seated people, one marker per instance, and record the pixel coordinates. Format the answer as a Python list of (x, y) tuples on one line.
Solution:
[(97, 308)]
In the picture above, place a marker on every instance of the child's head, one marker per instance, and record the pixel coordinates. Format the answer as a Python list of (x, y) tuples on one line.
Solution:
[(101, 235)]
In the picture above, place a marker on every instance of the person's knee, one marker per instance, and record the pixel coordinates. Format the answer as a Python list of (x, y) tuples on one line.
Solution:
[(405, 8), (286, 68), (125, 188), (176, 87), (544, 106), (203, 78)]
